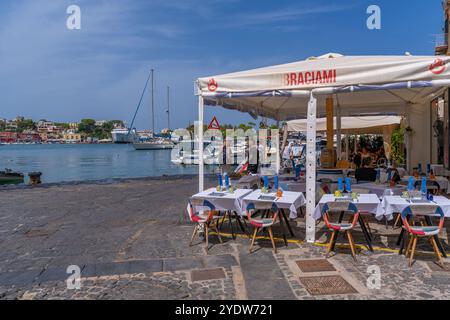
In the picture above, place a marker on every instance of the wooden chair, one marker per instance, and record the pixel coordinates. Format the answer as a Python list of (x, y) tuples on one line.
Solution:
[(263, 222), (340, 207), (204, 219), (364, 214), (419, 211)]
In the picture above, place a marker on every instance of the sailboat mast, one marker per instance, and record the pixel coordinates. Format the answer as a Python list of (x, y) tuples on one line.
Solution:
[(153, 104), (168, 108)]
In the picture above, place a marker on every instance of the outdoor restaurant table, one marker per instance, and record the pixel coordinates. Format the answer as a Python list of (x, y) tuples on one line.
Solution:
[(365, 203), (381, 189), (396, 204), (228, 202), (289, 200), (247, 182), (443, 182)]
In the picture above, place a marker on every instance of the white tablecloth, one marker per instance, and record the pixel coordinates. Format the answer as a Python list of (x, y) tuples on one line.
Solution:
[(290, 200), (230, 201), (366, 203), (381, 189), (443, 182), (393, 204), (438, 169)]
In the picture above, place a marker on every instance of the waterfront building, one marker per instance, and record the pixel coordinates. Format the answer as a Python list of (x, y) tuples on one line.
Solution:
[(8, 137), (28, 137), (70, 136), (100, 123)]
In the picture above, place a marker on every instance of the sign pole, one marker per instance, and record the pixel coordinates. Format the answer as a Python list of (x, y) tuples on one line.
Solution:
[(311, 169)]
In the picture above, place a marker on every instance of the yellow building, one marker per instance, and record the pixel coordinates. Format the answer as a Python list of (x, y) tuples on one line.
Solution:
[(72, 137)]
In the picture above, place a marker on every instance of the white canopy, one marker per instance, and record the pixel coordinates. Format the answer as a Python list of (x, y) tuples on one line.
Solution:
[(347, 123), (360, 85)]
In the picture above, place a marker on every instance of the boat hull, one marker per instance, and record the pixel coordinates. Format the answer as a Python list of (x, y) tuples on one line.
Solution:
[(152, 146)]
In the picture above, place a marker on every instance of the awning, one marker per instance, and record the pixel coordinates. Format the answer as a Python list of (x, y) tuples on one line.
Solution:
[(367, 124), (360, 84)]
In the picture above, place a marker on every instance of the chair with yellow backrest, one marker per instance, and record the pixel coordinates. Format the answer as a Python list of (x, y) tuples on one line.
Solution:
[(342, 164)]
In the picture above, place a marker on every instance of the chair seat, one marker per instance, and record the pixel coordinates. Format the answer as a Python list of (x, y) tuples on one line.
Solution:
[(262, 222), (340, 226), (425, 231), (202, 218)]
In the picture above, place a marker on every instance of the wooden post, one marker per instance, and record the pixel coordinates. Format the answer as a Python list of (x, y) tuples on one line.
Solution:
[(330, 120)]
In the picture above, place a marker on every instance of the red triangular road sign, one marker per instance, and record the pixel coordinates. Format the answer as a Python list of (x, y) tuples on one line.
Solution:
[(214, 124)]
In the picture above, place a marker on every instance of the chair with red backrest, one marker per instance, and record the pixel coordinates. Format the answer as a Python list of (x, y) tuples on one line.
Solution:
[(419, 211), (202, 213), (340, 207), (262, 223)]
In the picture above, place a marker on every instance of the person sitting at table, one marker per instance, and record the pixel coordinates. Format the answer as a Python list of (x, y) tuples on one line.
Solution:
[(365, 154), (395, 177), (366, 173), (381, 157), (357, 159), (416, 172)]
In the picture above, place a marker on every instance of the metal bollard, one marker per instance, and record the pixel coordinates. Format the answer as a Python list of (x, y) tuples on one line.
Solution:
[(35, 178)]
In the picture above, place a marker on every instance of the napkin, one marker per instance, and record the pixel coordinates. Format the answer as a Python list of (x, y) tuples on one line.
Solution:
[(411, 184), (348, 186)]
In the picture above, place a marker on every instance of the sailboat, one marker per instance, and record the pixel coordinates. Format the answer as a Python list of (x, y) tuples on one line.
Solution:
[(154, 143)]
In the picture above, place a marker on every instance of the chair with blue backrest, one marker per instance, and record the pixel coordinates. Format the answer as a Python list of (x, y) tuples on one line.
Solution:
[(340, 207), (419, 211), (202, 213), (266, 220)]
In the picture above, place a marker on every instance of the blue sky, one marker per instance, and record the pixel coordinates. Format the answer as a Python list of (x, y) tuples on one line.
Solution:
[(48, 71)]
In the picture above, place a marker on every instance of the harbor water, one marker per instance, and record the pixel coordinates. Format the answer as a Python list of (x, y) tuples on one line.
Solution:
[(81, 162)]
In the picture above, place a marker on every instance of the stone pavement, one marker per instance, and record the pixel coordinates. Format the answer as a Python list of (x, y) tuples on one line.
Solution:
[(130, 241)]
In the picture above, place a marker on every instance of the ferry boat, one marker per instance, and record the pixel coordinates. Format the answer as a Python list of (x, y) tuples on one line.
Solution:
[(123, 135)]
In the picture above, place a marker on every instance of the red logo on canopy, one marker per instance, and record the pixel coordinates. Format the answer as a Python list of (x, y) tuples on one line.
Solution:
[(214, 124), (438, 66), (212, 85)]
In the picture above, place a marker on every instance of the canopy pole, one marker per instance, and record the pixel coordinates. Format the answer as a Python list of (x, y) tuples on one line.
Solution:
[(311, 169), (338, 132), (200, 144), (347, 147), (330, 123)]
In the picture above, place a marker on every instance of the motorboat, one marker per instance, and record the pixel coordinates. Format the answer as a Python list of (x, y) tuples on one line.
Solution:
[(11, 177)]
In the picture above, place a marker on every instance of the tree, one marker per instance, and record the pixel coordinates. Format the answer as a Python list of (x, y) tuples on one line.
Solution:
[(25, 124), (86, 126)]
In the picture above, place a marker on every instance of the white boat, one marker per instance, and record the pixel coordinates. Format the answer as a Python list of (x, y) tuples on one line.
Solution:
[(154, 144), (190, 155), (123, 135)]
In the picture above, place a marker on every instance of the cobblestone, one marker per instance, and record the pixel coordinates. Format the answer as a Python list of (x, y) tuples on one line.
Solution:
[(130, 239)]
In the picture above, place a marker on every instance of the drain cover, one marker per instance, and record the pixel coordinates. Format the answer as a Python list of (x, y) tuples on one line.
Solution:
[(317, 265), (327, 285), (207, 274)]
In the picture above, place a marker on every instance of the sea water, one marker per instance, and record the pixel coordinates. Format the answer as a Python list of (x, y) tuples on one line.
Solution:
[(81, 162)]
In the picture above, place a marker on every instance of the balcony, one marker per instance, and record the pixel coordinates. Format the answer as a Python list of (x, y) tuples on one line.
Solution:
[(441, 44)]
